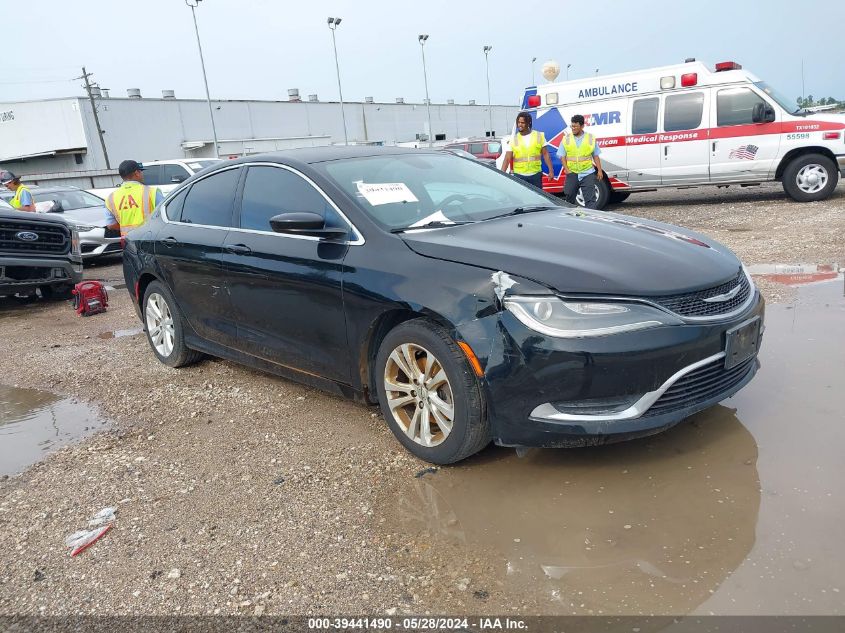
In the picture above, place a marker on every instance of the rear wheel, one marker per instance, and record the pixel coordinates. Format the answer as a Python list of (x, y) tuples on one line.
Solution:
[(810, 177), (603, 193), (429, 394), (165, 327)]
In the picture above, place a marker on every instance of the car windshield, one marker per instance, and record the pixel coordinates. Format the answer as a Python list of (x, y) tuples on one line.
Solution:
[(70, 200), (412, 190), (779, 98)]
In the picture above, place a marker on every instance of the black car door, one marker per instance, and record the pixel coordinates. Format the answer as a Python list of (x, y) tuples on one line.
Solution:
[(286, 290), (189, 250)]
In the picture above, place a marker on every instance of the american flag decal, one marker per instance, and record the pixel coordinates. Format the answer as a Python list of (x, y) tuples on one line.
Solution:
[(744, 152)]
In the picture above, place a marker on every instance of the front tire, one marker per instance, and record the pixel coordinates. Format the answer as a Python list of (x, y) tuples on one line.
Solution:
[(166, 328), (429, 395), (810, 177)]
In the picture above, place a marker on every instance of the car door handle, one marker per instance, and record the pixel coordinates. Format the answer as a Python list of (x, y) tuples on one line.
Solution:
[(714, 146), (237, 249), (170, 242)]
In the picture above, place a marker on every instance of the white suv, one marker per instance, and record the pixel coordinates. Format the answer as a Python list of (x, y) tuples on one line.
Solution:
[(167, 174)]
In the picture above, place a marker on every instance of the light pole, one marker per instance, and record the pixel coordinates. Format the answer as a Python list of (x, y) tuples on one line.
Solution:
[(333, 24), (423, 39), (533, 59), (597, 71), (193, 4), (567, 71), (487, 50)]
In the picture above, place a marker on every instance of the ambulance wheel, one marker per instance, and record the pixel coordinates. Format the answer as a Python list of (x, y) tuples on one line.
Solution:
[(810, 177), (602, 194), (166, 328), (619, 196)]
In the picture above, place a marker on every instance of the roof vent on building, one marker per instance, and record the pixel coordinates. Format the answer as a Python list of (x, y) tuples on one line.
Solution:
[(313, 98), (450, 101), (368, 99), (168, 94), (400, 99), (104, 92), (472, 101), (133, 93), (293, 94), (96, 92), (689, 59)]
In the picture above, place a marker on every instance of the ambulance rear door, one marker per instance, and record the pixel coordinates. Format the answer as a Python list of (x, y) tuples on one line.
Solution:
[(684, 141), (740, 149)]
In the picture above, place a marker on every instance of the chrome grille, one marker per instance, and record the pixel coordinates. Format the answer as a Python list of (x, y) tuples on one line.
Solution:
[(700, 385), (693, 305), (52, 238)]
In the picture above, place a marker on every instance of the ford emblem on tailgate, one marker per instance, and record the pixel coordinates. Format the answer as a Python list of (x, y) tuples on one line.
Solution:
[(27, 236)]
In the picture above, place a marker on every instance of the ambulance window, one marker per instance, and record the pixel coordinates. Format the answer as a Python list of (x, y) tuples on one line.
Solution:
[(734, 106), (683, 111), (644, 118), (210, 200)]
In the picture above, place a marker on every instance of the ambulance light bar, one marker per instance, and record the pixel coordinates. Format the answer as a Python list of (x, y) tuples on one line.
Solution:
[(534, 101), (689, 79), (727, 66)]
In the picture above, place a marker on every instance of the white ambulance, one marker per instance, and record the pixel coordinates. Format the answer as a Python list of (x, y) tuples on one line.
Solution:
[(687, 126)]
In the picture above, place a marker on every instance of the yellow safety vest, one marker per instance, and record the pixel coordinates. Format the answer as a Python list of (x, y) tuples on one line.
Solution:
[(579, 158), (527, 150), (16, 201), (131, 204)]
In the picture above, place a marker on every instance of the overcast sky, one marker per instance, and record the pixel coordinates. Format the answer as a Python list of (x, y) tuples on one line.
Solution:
[(257, 49)]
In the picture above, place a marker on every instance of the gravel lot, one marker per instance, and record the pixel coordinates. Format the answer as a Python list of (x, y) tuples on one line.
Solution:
[(238, 492)]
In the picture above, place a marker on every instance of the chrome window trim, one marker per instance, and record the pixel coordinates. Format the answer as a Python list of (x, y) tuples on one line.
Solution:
[(359, 237), (548, 412)]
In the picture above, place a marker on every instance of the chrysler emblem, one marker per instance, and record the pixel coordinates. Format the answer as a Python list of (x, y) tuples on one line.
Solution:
[(730, 294), (26, 236)]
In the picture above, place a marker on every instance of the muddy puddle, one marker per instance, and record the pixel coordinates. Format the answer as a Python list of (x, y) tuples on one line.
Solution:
[(737, 510), (33, 423)]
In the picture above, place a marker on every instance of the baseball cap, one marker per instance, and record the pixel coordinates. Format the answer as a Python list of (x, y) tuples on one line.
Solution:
[(6, 177), (129, 167)]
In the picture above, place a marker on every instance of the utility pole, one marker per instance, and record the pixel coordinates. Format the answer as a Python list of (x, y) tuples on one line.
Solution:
[(85, 76)]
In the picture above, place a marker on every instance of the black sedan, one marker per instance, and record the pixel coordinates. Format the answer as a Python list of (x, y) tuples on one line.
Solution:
[(471, 307)]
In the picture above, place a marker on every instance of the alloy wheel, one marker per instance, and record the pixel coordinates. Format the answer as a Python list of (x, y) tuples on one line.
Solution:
[(811, 178), (419, 394), (160, 327), (580, 197)]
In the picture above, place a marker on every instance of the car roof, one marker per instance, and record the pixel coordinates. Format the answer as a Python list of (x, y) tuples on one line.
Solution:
[(312, 155), (52, 188)]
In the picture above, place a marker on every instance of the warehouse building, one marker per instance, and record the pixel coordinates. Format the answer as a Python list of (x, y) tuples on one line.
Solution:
[(55, 141)]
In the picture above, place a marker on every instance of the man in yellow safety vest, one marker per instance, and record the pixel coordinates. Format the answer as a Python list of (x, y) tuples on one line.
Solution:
[(579, 154), (131, 204), (22, 200), (526, 149)]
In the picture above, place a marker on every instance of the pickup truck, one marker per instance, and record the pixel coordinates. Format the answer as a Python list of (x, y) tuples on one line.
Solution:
[(37, 252)]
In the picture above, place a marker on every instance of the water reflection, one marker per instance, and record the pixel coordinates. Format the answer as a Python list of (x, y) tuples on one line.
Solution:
[(650, 526)]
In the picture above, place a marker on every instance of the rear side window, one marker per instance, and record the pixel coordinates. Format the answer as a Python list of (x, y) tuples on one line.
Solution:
[(734, 106), (269, 191), (173, 174), (644, 116), (174, 205), (476, 148), (210, 200), (153, 175), (683, 111)]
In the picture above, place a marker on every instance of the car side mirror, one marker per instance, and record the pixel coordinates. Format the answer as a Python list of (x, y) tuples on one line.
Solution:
[(762, 113), (306, 223)]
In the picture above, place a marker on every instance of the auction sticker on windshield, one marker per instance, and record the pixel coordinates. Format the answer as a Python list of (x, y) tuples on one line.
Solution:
[(386, 192)]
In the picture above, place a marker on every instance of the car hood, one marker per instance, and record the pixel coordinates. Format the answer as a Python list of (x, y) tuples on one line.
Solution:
[(585, 252), (95, 216)]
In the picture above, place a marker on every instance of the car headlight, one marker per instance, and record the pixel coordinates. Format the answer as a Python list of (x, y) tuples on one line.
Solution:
[(83, 228), (75, 248), (585, 319)]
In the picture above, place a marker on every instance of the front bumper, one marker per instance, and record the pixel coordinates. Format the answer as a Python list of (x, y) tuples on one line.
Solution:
[(23, 274), (94, 243), (542, 391)]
